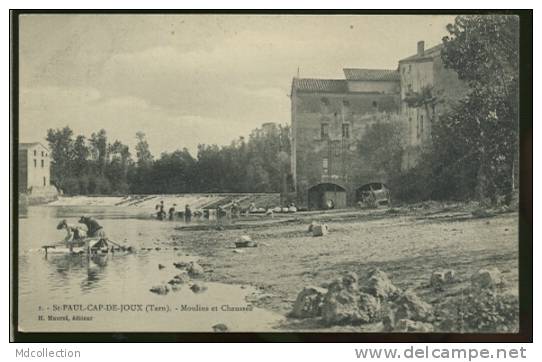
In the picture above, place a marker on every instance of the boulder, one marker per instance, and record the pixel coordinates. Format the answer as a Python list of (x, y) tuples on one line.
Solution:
[(198, 288), (437, 280), (160, 266), (292, 209), (449, 276), (345, 304), (487, 279), (309, 302), (442, 277), (379, 285), (160, 289), (411, 306), (277, 209), (311, 226), (320, 230), (194, 269), (220, 328), (181, 265), (407, 325), (245, 241), (179, 279)]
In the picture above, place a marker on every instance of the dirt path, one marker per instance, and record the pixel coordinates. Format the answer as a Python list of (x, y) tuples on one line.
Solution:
[(409, 248)]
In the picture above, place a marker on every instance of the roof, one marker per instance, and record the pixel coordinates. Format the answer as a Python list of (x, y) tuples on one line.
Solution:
[(27, 145), (427, 54), (371, 74), (320, 85)]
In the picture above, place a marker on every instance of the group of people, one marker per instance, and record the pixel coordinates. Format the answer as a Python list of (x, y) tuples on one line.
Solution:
[(161, 212), (77, 235)]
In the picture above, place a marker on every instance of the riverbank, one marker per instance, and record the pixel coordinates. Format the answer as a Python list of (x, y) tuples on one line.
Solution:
[(409, 244)]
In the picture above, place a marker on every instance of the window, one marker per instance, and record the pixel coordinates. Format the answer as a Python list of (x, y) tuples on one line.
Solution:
[(44, 181), (409, 68), (35, 163), (42, 164), (42, 153), (35, 153), (418, 128), (375, 104), (324, 131), (346, 130), (421, 125), (325, 165)]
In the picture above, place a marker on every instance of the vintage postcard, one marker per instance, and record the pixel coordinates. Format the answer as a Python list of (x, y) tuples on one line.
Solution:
[(267, 173)]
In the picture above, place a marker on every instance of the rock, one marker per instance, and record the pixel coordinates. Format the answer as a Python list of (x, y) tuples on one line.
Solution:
[(221, 327), (379, 285), (194, 269), (487, 279), (320, 230), (411, 306), (407, 325), (285, 210), (309, 302), (238, 251), (311, 226), (442, 277), (179, 279), (449, 276), (388, 319), (269, 212), (198, 288), (245, 242), (160, 266), (277, 209), (437, 280), (345, 304), (160, 289), (292, 209), (181, 265), (175, 287)]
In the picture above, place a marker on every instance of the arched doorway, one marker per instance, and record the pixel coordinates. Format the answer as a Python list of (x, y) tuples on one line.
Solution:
[(327, 196)]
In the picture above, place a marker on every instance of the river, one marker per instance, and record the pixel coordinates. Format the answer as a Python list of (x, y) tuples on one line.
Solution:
[(110, 293)]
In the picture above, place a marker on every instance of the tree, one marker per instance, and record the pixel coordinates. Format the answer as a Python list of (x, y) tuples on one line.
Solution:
[(143, 154), (61, 147), (484, 51), (99, 150)]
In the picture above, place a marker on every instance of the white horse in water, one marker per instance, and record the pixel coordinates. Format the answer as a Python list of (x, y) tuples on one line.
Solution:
[(75, 234)]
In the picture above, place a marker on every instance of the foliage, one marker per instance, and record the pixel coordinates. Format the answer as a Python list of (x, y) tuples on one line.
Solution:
[(382, 148), (484, 51), (480, 311), (97, 166)]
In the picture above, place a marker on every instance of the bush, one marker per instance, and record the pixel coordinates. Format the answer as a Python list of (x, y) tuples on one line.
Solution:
[(480, 311)]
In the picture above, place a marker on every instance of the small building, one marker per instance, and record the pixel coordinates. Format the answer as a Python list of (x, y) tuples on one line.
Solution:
[(329, 118), (34, 166)]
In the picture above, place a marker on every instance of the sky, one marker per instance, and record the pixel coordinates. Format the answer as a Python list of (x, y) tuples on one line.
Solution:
[(190, 79)]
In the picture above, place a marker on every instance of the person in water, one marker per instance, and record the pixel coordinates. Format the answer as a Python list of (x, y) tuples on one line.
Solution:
[(172, 212), (187, 213), (75, 234), (94, 230)]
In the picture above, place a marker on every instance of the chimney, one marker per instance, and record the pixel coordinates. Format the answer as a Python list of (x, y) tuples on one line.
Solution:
[(421, 46)]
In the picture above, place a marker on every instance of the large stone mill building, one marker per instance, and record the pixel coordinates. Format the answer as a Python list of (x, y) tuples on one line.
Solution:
[(331, 116)]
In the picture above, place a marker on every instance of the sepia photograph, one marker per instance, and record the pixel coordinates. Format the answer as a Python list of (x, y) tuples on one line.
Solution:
[(268, 173)]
